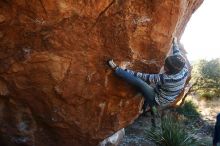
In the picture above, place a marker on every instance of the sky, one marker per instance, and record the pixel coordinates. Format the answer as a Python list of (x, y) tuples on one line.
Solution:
[(201, 38)]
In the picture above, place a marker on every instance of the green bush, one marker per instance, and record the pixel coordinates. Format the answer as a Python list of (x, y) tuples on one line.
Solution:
[(210, 69), (170, 133), (207, 95), (206, 76), (189, 110)]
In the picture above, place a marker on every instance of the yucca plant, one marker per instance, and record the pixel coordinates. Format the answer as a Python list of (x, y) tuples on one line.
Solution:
[(170, 133)]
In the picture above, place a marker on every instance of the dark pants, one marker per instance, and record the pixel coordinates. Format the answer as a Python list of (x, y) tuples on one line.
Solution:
[(216, 139), (146, 90)]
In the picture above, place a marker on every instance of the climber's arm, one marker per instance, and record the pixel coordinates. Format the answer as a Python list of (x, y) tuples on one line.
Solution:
[(178, 50), (175, 47), (149, 78)]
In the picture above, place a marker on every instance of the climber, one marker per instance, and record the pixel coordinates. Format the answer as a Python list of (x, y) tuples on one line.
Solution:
[(158, 89), (216, 139)]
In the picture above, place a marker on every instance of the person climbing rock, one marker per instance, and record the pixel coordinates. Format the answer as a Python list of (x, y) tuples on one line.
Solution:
[(216, 138), (162, 88)]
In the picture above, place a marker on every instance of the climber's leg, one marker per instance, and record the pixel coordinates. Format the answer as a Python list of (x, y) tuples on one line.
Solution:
[(216, 137), (147, 91)]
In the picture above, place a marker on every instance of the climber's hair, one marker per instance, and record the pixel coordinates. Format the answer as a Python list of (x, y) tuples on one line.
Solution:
[(174, 63)]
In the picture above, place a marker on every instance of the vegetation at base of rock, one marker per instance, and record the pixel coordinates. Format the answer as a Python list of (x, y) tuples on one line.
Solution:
[(188, 110), (171, 132), (206, 78)]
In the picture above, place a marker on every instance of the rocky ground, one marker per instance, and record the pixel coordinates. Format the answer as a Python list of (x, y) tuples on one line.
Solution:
[(135, 135)]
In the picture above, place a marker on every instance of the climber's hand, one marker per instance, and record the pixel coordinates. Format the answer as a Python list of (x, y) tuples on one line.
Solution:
[(112, 64), (175, 41)]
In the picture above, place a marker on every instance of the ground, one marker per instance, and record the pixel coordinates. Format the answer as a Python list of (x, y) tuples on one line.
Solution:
[(134, 134), (202, 126)]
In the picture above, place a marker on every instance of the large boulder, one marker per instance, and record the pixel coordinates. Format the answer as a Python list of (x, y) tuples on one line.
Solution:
[(55, 86)]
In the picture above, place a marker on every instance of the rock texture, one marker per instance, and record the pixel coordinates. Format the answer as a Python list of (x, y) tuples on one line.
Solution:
[(55, 87)]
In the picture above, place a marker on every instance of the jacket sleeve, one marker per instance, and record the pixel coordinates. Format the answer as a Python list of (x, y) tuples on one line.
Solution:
[(149, 78), (175, 49)]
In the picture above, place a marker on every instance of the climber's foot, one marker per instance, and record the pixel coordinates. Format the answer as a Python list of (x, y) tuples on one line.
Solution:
[(145, 111)]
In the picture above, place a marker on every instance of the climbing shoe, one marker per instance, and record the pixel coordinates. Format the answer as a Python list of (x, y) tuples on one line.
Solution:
[(154, 110), (112, 64)]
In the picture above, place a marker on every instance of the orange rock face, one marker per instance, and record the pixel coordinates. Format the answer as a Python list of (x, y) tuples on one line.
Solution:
[(55, 86)]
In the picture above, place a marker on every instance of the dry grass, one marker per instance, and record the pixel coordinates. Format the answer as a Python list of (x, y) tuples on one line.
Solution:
[(207, 108)]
